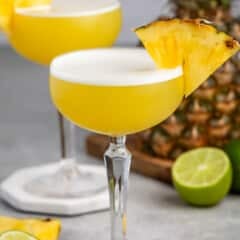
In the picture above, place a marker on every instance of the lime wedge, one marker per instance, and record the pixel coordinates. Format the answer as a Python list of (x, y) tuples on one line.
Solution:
[(202, 176), (16, 235)]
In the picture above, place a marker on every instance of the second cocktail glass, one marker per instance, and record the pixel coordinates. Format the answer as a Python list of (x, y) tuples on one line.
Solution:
[(40, 34)]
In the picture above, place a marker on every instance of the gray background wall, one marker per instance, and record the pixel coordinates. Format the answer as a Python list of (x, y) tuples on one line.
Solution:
[(139, 12)]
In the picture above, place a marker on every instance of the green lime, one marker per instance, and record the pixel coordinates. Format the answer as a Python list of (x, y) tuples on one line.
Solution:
[(16, 235), (202, 176), (233, 151)]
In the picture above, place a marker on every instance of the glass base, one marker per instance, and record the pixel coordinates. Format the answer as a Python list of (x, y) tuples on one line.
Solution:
[(67, 182)]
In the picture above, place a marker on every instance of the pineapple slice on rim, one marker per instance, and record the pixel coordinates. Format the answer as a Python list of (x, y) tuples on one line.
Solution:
[(193, 44), (7, 8)]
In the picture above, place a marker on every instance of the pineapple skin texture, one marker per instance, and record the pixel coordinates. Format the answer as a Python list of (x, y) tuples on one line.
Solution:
[(43, 229), (191, 43)]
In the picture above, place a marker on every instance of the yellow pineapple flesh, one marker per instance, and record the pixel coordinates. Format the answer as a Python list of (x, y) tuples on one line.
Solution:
[(43, 229), (193, 44)]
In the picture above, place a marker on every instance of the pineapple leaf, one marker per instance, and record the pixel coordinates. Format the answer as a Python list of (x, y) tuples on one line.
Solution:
[(225, 3)]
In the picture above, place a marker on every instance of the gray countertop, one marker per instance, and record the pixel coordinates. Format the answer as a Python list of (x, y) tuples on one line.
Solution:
[(28, 136)]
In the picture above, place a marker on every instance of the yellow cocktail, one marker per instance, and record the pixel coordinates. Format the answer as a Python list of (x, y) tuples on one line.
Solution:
[(42, 33), (116, 92)]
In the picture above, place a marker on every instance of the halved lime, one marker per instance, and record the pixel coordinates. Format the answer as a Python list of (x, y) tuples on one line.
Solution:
[(202, 176), (16, 235)]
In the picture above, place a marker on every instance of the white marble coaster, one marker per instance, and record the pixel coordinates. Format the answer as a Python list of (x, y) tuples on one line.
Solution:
[(13, 192)]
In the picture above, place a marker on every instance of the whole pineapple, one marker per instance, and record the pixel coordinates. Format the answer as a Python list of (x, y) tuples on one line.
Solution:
[(211, 115)]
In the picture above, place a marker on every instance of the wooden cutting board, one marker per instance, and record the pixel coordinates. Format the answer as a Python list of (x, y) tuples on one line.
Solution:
[(141, 163)]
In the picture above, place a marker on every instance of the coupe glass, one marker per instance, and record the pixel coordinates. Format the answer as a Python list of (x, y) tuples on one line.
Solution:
[(123, 95)]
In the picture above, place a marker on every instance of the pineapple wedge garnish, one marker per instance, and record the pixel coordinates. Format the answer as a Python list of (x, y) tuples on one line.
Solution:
[(45, 229), (193, 44), (7, 8)]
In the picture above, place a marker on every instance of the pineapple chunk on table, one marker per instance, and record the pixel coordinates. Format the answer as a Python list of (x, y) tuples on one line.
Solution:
[(43, 229)]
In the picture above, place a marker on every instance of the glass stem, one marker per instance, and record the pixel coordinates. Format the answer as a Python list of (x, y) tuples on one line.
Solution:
[(67, 144), (62, 135), (117, 160)]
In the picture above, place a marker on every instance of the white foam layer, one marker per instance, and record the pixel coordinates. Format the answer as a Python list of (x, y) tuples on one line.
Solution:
[(71, 8), (111, 67)]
